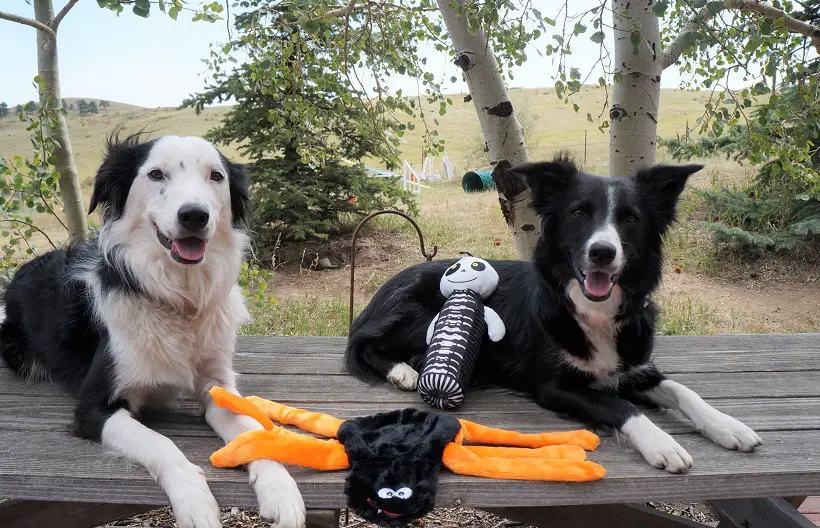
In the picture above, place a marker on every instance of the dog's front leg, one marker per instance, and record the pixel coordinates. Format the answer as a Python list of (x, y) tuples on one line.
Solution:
[(276, 492), (610, 410), (193, 504), (711, 423)]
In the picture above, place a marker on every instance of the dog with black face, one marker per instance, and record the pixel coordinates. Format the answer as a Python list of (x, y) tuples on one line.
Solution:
[(148, 312), (579, 317)]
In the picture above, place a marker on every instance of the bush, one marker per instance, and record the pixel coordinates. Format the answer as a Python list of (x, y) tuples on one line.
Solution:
[(295, 201)]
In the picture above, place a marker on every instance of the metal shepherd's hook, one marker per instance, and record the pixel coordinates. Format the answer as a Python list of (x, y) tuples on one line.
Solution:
[(353, 252)]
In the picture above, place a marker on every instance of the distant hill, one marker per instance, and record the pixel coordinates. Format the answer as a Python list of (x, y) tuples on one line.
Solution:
[(115, 106), (549, 125)]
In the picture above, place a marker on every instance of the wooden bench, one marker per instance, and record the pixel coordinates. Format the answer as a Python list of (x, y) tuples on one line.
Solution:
[(770, 382)]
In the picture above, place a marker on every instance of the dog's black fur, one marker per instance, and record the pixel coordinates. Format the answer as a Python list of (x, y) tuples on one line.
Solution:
[(532, 298)]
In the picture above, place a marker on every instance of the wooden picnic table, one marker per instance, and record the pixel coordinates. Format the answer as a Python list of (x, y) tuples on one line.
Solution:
[(770, 382)]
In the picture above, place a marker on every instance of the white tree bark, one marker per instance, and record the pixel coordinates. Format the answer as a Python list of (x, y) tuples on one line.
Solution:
[(48, 69), (636, 89), (503, 134), (633, 116)]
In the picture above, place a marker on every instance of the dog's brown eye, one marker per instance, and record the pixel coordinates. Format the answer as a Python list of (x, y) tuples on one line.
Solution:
[(577, 212), (156, 175), (217, 176)]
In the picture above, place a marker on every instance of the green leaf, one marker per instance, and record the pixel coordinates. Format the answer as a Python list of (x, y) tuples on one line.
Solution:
[(698, 3), (142, 8), (174, 12), (311, 26), (589, 117), (659, 8), (766, 27), (597, 37), (549, 21), (715, 7), (635, 38), (579, 28)]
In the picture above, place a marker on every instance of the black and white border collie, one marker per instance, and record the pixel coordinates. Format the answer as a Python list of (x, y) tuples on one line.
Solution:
[(148, 312), (580, 322)]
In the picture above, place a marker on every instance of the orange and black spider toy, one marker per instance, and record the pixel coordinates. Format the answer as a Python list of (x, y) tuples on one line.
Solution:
[(394, 457)]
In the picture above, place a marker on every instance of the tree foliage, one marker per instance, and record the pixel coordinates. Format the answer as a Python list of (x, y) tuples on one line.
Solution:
[(299, 122), (4, 109)]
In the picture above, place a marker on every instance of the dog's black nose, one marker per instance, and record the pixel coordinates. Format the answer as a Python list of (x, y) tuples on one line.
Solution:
[(192, 216), (601, 253)]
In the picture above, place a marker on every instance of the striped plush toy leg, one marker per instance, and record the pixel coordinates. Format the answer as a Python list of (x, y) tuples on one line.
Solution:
[(454, 347)]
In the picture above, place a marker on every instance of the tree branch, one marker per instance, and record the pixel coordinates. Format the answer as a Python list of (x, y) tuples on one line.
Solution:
[(54, 24), (683, 40), (28, 22)]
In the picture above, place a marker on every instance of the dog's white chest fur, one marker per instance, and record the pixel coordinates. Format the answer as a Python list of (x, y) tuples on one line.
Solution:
[(597, 320)]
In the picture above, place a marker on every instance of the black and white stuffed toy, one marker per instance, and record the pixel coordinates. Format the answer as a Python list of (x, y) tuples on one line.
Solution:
[(455, 335)]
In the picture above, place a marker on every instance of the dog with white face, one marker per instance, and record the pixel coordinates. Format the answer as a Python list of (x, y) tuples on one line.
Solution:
[(148, 312)]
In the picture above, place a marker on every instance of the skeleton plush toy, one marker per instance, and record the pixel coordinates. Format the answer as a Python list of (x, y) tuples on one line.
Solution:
[(455, 335)]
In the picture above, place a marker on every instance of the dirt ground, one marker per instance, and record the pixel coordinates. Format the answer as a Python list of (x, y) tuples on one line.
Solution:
[(764, 299)]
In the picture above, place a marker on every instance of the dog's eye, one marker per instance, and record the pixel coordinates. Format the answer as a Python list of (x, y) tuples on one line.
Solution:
[(217, 176), (631, 219), (156, 175), (577, 212)]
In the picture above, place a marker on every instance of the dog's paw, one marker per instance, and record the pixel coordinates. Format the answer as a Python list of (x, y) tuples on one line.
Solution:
[(193, 503), (403, 376), (730, 433), (656, 446), (277, 494)]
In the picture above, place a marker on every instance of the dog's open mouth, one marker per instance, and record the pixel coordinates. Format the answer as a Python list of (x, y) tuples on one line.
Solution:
[(187, 250), (596, 285)]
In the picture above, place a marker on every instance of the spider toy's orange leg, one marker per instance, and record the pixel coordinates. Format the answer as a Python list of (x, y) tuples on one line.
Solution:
[(477, 433), (460, 459), (265, 410), (565, 451), (283, 446)]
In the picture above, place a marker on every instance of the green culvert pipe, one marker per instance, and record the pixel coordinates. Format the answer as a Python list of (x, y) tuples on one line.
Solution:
[(478, 181)]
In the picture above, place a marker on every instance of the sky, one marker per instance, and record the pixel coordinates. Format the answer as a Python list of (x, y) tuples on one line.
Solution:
[(158, 62)]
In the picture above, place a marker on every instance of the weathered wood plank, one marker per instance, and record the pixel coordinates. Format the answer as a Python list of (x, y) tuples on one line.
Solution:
[(37, 514), (766, 353), (616, 515), (327, 388), (763, 415), (322, 519), (50, 466), (702, 361), (760, 513)]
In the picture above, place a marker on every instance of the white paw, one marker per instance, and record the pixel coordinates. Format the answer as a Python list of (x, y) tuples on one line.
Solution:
[(657, 447), (729, 433), (403, 376), (277, 494), (193, 504)]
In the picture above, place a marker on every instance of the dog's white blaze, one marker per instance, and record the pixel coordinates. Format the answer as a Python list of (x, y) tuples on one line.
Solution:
[(607, 233), (184, 483), (713, 424), (657, 447), (597, 320)]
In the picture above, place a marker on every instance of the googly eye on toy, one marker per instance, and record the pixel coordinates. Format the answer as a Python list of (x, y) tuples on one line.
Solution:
[(455, 335)]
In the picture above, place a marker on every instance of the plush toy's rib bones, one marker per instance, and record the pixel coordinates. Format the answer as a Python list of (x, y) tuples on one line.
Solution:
[(556, 456)]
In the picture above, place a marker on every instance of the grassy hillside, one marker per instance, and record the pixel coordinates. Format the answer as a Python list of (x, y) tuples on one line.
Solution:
[(550, 125)]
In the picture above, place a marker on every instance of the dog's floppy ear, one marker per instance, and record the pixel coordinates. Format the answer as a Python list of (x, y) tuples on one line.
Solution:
[(121, 161), (546, 177), (661, 186), (238, 186)]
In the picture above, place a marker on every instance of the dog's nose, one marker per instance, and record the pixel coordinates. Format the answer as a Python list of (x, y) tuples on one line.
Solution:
[(601, 253), (192, 216)]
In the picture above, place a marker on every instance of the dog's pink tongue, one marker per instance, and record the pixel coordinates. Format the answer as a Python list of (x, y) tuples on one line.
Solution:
[(190, 248), (598, 283)]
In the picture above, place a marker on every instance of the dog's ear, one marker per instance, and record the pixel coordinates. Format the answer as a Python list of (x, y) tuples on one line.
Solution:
[(238, 186), (121, 160), (546, 178), (661, 186)]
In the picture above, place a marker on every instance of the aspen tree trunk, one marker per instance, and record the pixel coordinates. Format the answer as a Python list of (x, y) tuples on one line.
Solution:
[(503, 134)]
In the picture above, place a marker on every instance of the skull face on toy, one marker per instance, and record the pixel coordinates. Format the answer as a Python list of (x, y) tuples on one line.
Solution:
[(469, 273)]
